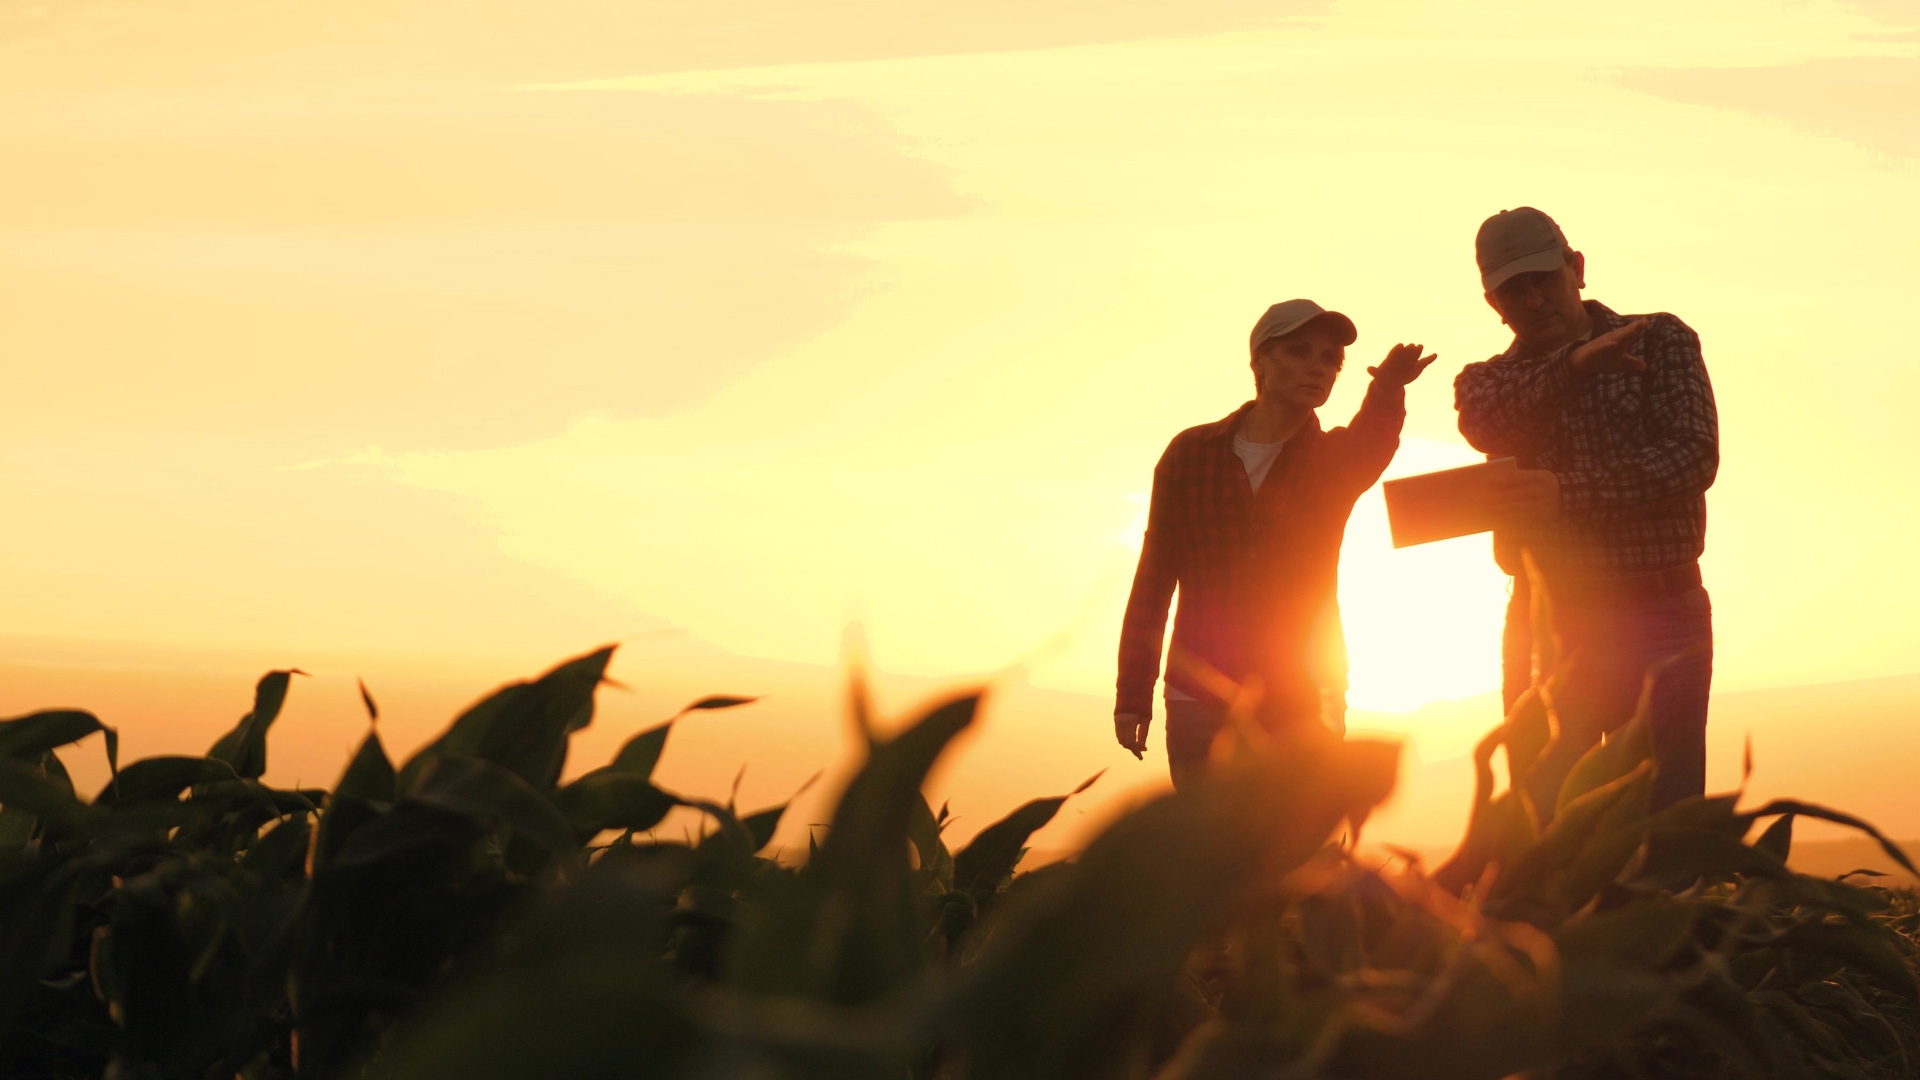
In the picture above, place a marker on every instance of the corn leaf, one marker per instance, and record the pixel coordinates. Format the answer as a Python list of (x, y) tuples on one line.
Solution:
[(245, 747), (852, 928), (988, 861), (26, 738), (162, 779), (282, 851), (762, 824), (1777, 840), (719, 701), (1614, 757), (1794, 806), (1062, 960), (369, 775), (27, 789), (639, 755), (494, 794), (612, 800), (523, 726)]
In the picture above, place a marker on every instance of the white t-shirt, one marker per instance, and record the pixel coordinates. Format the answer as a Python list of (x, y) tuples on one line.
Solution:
[(1258, 457)]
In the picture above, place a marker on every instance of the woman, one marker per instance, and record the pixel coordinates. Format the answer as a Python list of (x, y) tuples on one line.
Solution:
[(1246, 520)]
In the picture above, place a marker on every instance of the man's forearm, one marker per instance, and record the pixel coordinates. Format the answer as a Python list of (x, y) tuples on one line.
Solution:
[(1681, 459), (1504, 404)]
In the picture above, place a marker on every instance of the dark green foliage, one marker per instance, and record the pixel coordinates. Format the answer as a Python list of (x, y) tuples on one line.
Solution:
[(30, 737), (245, 747), (497, 797), (986, 865), (468, 916), (523, 726), (575, 988), (640, 754), (370, 774)]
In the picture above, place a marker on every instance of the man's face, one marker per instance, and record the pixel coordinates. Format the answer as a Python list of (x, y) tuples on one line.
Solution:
[(1543, 308), (1299, 368)]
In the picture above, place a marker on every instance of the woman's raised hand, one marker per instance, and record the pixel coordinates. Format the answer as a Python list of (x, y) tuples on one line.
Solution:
[(1402, 365)]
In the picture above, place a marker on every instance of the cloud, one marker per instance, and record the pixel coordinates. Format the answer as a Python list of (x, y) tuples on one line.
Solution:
[(1867, 100), (1901, 16), (94, 41), (427, 269)]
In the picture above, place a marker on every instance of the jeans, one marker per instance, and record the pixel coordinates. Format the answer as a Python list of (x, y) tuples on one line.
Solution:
[(1613, 644), (1191, 726)]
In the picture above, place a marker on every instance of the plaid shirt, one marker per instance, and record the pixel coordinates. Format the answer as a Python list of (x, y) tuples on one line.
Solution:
[(1634, 453), (1257, 572)]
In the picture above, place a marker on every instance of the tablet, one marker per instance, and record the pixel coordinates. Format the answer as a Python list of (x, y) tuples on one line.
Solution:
[(1441, 505)]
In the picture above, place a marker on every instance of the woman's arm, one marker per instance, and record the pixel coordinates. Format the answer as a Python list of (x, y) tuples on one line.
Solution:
[(1143, 631)]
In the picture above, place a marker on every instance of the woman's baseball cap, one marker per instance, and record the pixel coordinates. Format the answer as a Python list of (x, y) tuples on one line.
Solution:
[(1290, 315)]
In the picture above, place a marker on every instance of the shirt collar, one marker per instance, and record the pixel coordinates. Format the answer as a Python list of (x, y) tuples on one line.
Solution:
[(1222, 429)]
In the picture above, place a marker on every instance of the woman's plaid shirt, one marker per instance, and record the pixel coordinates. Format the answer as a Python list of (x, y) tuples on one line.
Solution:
[(1634, 453), (1257, 573)]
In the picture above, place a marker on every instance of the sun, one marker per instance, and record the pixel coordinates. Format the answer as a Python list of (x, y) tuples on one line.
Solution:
[(1422, 623)]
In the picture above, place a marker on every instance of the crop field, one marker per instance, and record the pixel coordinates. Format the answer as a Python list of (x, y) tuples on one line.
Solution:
[(465, 914)]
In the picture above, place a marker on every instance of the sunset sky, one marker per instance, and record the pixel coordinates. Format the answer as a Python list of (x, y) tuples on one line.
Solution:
[(430, 337)]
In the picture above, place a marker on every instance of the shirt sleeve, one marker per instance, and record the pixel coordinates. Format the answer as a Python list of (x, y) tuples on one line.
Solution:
[(1143, 630), (1368, 442), (1682, 453), (1507, 404)]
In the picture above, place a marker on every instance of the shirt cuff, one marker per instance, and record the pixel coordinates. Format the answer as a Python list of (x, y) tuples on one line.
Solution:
[(1387, 391)]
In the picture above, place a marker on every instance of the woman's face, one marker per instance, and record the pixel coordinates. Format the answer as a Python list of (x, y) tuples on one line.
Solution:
[(1299, 369)]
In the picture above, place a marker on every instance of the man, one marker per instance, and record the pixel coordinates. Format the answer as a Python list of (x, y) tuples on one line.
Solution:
[(1246, 519), (1612, 422)]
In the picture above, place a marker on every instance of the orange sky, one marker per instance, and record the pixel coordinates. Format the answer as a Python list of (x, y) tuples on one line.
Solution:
[(444, 340)]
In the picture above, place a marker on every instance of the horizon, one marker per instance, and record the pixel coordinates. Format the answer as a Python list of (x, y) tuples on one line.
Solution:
[(1032, 741)]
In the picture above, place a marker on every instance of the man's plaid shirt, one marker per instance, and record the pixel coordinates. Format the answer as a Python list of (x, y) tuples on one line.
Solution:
[(1634, 452), (1256, 572)]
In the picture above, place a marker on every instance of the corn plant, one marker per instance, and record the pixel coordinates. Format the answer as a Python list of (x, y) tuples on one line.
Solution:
[(467, 914)]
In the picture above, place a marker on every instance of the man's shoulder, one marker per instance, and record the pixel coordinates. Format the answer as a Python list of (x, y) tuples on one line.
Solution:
[(1660, 325)]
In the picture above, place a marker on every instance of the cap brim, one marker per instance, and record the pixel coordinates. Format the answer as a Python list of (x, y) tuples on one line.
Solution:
[(1348, 332), (1551, 259)]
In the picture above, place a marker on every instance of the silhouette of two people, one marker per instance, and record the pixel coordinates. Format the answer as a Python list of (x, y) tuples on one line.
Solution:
[(1611, 419)]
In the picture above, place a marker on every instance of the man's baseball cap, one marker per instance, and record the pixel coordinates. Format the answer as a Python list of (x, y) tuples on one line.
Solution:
[(1518, 241), (1290, 315)]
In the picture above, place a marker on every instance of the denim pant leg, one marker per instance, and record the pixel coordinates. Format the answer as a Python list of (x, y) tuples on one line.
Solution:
[(1191, 726), (1614, 646), (1679, 712)]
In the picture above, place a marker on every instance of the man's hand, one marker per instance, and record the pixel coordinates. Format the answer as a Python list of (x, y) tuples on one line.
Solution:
[(1131, 730), (1608, 354), (1402, 365), (1524, 495)]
